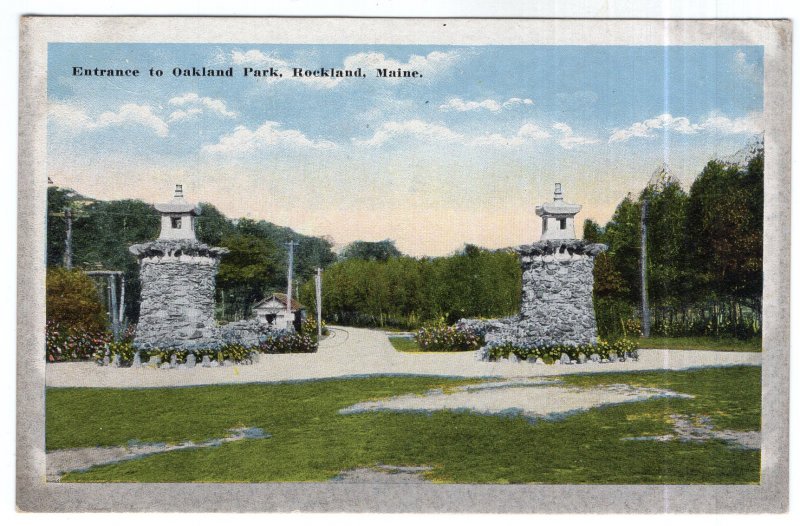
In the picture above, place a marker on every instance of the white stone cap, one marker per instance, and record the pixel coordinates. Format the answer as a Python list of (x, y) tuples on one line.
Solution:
[(558, 208), (178, 205)]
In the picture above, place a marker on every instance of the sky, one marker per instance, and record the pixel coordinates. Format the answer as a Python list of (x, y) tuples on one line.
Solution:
[(461, 154)]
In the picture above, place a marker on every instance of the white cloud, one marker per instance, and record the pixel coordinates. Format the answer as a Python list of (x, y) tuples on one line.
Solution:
[(744, 69), (269, 134), (527, 132), (195, 103), (715, 123), (750, 124), (437, 132), (254, 57), (180, 115), (76, 119), (457, 104), (568, 139), (414, 128)]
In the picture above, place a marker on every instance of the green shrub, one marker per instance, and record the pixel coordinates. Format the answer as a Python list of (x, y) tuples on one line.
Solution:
[(552, 353), (309, 328), (124, 349), (235, 352), (72, 302)]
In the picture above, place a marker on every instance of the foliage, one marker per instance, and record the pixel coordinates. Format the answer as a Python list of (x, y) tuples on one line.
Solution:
[(72, 301), (616, 317), (440, 337), (592, 232), (234, 352), (406, 293), (124, 349), (371, 250), (285, 342), (64, 344), (704, 273), (246, 271), (103, 231), (623, 348), (311, 441), (309, 327)]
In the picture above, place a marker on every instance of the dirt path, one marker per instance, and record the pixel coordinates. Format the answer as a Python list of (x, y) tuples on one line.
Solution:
[(353, 352)]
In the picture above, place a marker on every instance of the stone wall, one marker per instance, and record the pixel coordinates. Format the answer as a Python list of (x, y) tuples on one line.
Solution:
[(178, 281), (557, 305)]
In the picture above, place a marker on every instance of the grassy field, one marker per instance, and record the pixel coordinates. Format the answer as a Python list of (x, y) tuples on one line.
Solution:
[(701, 343), (312, 442), (404, 344)]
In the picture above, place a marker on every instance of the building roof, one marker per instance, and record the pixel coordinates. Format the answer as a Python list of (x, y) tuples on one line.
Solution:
[(280, 298)]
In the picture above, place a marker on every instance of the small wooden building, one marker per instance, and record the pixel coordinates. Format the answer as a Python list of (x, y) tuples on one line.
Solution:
[(272, 311)]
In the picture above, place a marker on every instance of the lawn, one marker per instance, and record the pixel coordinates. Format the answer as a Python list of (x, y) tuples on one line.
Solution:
[(708, 343), (404, 344), (311, 442)]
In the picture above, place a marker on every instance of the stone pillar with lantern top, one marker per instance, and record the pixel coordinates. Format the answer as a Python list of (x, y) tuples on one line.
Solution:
[(177, 274), (557, 281)]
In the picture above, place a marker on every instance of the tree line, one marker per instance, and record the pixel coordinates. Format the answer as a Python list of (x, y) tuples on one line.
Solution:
[(704, 255), (405, 292), (703, 272)]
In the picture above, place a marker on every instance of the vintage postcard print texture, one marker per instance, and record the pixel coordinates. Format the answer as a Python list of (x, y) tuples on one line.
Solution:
[(403, 265)]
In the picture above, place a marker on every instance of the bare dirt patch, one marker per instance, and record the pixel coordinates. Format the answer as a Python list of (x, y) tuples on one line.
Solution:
[(63, 461), (532, 398), (699, 429)]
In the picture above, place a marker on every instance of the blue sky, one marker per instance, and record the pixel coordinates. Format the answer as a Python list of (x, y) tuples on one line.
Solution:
[(461, 155)]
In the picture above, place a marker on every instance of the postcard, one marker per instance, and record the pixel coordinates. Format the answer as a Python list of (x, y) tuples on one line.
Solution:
[(403, 265)]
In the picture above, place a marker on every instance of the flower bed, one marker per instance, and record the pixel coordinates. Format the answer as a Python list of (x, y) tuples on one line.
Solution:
[(620, 349), (68, 345), (289, 342), (448, 339)]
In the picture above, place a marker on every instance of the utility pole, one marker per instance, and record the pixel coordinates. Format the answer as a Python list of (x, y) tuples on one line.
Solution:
[(318, 290), (291, 244), (121, 314), (113, 307), (68, 240), (643, 263)]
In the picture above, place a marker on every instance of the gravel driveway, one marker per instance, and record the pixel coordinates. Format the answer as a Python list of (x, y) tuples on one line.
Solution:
[(352, 352)]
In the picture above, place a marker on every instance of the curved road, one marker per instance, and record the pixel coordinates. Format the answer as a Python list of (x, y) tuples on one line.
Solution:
[(351, 352)]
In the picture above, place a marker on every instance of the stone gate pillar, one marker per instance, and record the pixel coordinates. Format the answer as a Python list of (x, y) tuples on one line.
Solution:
[(557, 284), (178, 278)]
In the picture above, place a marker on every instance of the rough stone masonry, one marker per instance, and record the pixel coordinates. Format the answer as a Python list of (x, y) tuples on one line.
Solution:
[(557, 284), (178, 276), (178, 282)]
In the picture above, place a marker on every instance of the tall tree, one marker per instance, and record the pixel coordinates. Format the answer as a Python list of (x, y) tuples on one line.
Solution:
[(246, 272), (622, 235), (371, 250), (667, 273), (592, 232)]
